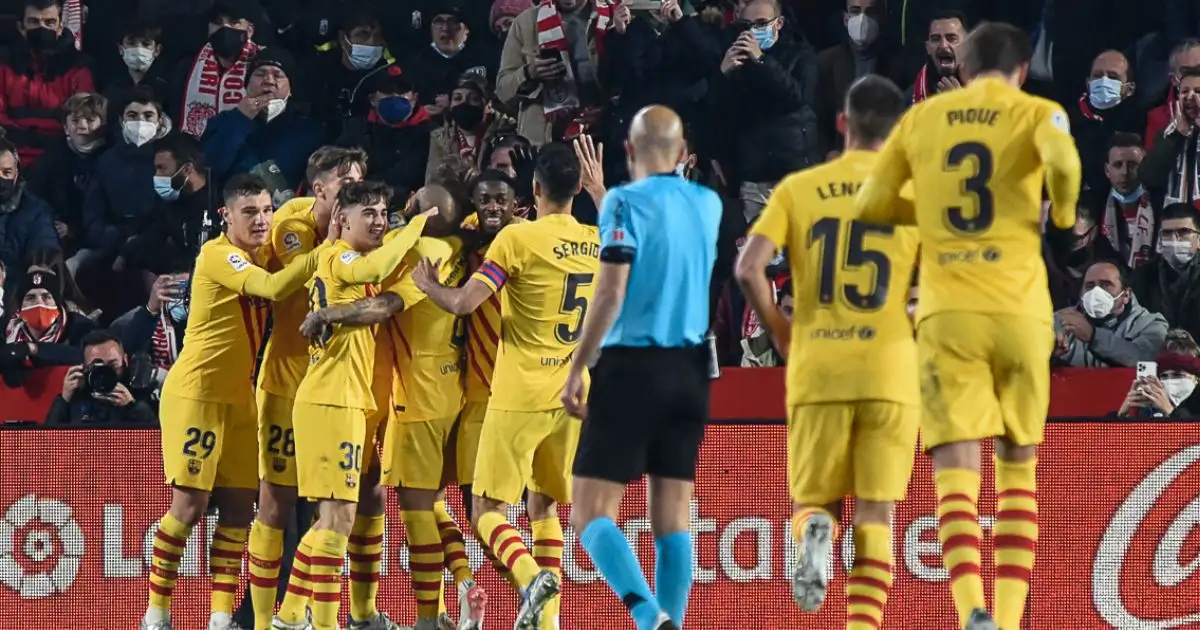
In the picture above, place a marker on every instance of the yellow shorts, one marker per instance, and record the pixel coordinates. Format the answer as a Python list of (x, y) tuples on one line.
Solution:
[(859, 449), (520, 449), (376, 428), (208, 445), (470, 425), (276, 440), (984, 376), (413, 453), (329, 450)]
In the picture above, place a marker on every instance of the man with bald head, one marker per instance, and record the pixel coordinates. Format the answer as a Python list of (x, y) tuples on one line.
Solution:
[(658, 243), (1106, 107)]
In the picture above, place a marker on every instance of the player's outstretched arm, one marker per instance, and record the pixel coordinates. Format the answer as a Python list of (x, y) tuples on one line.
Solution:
[(246, 278), (1063, 171), (379, 264), (879, 200), (751, 273), (457, 301)]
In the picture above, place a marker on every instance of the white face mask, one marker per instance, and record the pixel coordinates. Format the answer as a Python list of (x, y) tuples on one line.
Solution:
[(1097, 303), (1177, 253), (275, 107), (1178, 389), (863, 29), (139, 132), (138, 58)]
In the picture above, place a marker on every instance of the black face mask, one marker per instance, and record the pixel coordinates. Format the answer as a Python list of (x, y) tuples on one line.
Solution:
[(8, 187), (466, 115), (41, 39), (228, 42)]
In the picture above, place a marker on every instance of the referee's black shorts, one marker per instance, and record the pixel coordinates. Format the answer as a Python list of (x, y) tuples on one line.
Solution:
[(646, 413)]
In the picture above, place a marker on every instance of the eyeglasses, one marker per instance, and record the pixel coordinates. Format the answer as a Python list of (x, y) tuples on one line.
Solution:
[(1177, 234)]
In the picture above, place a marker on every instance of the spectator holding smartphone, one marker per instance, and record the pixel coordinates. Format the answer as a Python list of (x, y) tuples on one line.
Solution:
[(101, 389), (156, 329), (1172, 393)]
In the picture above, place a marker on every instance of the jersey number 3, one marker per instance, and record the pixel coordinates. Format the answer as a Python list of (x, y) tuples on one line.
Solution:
[(572, 303), (857, 255), (975, 185)]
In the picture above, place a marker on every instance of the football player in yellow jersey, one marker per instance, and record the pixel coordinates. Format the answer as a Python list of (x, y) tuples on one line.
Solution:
[(329, 416), (977, 157), (546, 268), (852, 393), (208, 413), (299, 225)]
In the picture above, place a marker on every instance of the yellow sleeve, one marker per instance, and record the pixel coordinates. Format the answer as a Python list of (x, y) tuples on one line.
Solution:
[(502, 260), (238, 274), (1054, 143), (292, 238), (775, 220), (354, 268), (404, 286), (876, 200)]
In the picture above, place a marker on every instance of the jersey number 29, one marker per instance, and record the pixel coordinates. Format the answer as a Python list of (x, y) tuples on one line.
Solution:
[(865, 298)]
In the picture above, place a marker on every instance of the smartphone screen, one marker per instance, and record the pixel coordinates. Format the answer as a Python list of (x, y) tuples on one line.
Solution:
[(551, 54)]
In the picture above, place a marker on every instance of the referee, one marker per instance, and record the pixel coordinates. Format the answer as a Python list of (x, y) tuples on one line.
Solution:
[(649, 396)]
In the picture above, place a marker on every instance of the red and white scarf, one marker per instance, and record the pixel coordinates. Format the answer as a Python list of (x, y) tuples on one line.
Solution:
[(210, 92), (563, 96), (920, 86), (163, 347), (1134, 225), (17, 331), (73, 12), (468, 146)]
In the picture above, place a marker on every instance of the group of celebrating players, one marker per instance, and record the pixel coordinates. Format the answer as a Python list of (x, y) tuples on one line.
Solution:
[(446, 347)]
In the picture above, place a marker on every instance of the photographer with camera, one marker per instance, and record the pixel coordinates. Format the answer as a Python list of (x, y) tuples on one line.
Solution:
[(103, 388)]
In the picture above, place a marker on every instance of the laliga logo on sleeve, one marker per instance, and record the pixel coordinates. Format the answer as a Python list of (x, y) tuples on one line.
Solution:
[(1161, 586), (40, 547)]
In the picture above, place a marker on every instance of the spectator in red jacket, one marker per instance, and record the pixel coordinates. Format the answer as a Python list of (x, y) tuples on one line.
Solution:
[(1186, 55), (43, 69)]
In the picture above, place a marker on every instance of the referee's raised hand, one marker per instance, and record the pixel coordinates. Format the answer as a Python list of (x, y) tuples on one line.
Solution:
[(572, 397)]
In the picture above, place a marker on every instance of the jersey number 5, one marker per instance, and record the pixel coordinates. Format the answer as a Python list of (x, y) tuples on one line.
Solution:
[(976, 185), (826, 233), (573, 302)]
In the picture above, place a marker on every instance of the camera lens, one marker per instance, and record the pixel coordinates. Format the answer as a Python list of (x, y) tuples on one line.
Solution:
[(101, 378)]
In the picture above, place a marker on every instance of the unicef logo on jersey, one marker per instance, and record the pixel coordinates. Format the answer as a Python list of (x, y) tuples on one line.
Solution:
[(41, 547), (849, 333), (991, 254)]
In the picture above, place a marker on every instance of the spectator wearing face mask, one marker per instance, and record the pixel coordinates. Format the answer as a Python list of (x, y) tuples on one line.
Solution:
[(1186, 55), (26, 221), (1170, 283), (120, 202), (187, 214), (157, 328), (140, 48), (469, 127), (1107, 328), (766, 91), (1069, 253), (41, 70), (1170, 393), (1170, 163), (100, 389), (64, 173), (500, 20), (395, 133), (941, 71), (214, 80), (262, 135), (861, 52), (1105, 108), (40, 330), (1128, 219), (436, 69), (335, 74)]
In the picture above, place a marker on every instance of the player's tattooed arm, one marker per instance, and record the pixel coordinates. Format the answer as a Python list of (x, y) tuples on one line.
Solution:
[(365, 312)]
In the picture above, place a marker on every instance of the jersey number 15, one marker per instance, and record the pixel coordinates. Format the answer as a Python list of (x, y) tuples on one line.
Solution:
[(864, 298)]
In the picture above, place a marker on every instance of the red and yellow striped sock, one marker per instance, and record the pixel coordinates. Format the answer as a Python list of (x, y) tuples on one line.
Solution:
[(502, 570), (365, 549), (169, 541), (325, 565), (959, 532), (870, 578), (225, 565), (505, 542), (800, 520), (547, 552), (266, 550), (453, 545), (425, 559), (1015, 535), (294, 608)]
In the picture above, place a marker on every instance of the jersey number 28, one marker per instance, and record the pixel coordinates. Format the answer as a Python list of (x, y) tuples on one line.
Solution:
[(825, 233)]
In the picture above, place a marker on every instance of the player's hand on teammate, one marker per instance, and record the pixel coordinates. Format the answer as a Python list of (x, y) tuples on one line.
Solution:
[(334, 229), (948, 83), (314, 327), (71, 382), (573, 398), (425, 276), (591, 166)]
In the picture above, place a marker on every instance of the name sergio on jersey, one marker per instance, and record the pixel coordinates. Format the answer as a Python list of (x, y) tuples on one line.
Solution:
[(849, 333), (577, 248)]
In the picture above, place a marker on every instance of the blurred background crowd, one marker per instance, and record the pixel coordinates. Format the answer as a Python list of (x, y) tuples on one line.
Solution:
[(122, 119)]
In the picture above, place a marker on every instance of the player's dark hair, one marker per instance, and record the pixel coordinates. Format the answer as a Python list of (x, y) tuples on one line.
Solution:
[(337, 160), (99, 337), (873, 105), (1182, 211), (493, 175), (183, 148), (364, 194), (1124, 140), (141, 29), (557, 171), (243, 185), (950, 14), (996, 47)]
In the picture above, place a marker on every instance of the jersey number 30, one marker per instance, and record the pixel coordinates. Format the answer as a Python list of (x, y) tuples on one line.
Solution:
[(573, 303), (976, 185), (826, 232)]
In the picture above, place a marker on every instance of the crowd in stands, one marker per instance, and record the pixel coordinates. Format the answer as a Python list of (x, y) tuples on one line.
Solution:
[(122, 119)]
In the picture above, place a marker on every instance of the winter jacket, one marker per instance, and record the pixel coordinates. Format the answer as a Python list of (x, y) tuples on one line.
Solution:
[(277, 151), (33, 89), (120, 199), (396, 154), (1134, 335), (26, 225)]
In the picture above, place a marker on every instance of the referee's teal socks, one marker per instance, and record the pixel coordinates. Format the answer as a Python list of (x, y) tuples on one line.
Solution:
[(673, 574), (610, 552)]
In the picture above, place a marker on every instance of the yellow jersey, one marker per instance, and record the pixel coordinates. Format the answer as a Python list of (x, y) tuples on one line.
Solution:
[(977, 157), (851, 338), (483, 333), (285, 360), (230, 300), (548, 271), (428, 342)]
